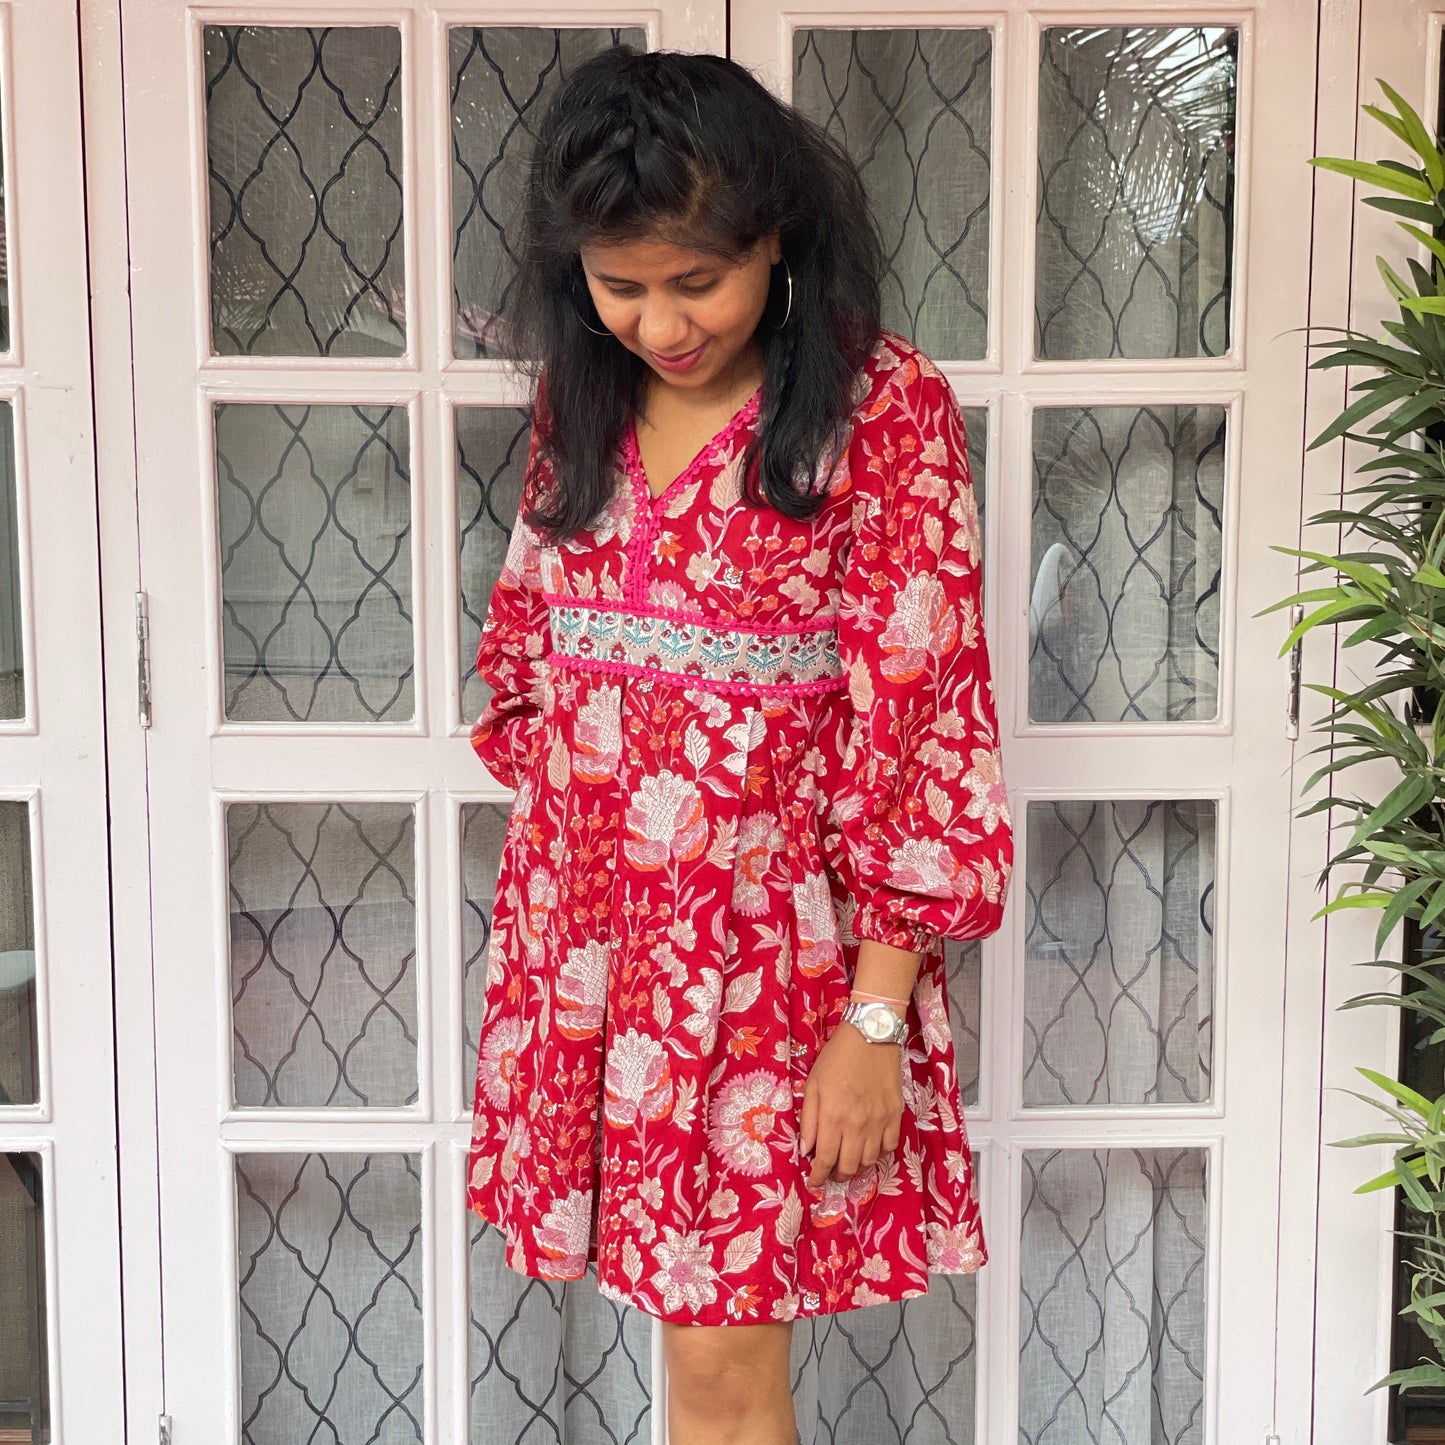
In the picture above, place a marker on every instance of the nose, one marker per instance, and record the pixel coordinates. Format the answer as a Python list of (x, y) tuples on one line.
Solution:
[(661, 326)]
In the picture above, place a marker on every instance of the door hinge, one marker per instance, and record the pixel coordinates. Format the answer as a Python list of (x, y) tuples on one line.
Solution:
[(165, 1430), (1296, 667), (143, 660)]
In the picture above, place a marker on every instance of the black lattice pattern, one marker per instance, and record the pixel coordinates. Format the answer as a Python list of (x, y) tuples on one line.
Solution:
[(315, 522), (329, 1255), (19, 1040), (1114, 1297), (304, 157), (1128, 528), (24, 1367), (4, 265), (1119, 952), (491, 457), (1136, 192), (503, 79), (553, 1361), (323, 953), (963, 964), (913, 109), (484, 832), (890, 1374)]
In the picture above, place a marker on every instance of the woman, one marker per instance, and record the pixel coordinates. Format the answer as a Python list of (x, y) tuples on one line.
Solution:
[(742, 693)]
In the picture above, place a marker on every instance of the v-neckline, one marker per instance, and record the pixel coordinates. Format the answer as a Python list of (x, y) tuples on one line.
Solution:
[(720, 439)]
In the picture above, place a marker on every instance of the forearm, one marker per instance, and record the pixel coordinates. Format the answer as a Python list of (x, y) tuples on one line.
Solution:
[(891, 972)]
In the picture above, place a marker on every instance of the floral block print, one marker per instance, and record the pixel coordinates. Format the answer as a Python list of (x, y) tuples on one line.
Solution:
[(740, 744)]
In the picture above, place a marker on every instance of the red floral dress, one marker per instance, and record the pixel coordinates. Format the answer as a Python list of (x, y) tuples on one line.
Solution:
[(739, 744)]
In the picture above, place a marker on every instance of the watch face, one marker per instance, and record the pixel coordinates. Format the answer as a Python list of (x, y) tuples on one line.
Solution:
[(879, 1024)]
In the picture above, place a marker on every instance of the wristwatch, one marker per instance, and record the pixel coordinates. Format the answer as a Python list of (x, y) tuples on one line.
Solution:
[(876, 1022)]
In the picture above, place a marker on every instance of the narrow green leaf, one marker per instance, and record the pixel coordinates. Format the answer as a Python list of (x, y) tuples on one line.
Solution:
[(1375, 175), (1417, 137)]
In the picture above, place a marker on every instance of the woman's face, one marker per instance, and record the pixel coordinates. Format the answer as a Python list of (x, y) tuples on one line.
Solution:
[(669, 304)]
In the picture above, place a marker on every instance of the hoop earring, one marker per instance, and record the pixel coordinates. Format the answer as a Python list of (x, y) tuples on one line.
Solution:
[(789, 270), (592, 329)]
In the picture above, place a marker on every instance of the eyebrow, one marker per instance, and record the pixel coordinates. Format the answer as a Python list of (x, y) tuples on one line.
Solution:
[(680, 276)]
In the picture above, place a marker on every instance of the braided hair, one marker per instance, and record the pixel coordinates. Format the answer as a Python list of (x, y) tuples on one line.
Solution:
[(692, 150)]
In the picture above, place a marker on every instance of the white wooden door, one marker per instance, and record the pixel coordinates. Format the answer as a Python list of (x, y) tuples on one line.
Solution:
[(1351, 1265), (1098, 223), (60, 1354), (329, 460)]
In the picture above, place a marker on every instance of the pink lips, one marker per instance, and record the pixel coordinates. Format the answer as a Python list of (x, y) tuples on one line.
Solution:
[(687, 360)]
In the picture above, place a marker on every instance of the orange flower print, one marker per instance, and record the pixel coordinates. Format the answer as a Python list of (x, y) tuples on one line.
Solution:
[(758, 842), (665, 820), (922, 627), (743, 1121)]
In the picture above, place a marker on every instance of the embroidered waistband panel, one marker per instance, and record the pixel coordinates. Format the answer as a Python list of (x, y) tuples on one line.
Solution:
[(695, 654)]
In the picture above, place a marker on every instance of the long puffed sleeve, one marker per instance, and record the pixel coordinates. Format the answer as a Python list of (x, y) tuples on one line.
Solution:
[(515, 643), (922, 807)]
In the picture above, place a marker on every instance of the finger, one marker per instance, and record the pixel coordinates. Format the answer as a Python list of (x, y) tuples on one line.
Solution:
[(891, 1136), (808, 1120), (871, 1149), (850, 1155), (825, 1155)]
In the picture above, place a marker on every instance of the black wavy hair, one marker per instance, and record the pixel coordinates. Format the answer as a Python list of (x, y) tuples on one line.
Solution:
[(691, 149)]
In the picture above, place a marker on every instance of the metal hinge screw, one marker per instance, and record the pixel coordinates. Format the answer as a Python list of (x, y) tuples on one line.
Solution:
[(143, 660)]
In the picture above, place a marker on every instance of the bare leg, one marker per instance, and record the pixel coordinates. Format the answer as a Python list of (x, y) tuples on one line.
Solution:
[(729, 1384)]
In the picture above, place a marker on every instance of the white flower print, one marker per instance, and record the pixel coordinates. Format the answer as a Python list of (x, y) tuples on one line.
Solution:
[(686, 1278), (921, 628), (988, 800), (665, 820), (953, 1250), (582, 990), (498, 1068), (638, 1080), (927, 866), (597, 735), (706, 998), (817, 925), (928, 999), (565, 1233)]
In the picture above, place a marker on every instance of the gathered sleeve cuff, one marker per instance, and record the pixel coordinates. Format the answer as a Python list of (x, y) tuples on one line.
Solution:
[(922, 807), (515, 644)]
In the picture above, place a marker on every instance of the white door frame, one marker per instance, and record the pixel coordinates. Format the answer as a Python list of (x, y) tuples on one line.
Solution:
[(54, 758), (1348, 1265)]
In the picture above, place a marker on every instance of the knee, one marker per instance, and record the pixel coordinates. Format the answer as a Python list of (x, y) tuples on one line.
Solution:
[(724, 1371)]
